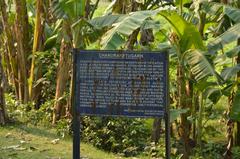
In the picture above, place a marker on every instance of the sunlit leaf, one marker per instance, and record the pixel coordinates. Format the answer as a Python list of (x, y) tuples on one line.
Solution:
[(200, 65), (227, 37), (230, 72), (175, 113)]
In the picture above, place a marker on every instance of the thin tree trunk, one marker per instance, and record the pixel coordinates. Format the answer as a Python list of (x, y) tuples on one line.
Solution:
[(230, 129), (10, 47), (22, 36), (7, 69), (237, 125), (237, 134), (156, 131), (200, 122), (35, 92), (3, 114), (22, 22), (233, 128), (62, 78), (184, 128), (202, 23), (194, 113)]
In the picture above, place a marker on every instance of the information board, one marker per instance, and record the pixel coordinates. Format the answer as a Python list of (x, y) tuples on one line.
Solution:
[(121, 83)]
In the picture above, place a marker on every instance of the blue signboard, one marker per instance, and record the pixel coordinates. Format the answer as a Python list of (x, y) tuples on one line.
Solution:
[(121, 83)]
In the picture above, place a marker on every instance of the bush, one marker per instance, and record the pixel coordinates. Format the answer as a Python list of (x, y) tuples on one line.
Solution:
[(118, 135), (63, 127), (26, 113), (209, 150)]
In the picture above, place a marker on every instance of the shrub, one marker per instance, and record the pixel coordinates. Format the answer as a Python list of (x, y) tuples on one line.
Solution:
[(27, 113), (118, 135)]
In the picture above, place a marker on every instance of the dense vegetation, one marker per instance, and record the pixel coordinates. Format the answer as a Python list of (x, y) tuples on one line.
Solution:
[(202, 37)]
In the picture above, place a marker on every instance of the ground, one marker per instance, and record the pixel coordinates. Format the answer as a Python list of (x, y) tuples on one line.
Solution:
[(29, 142)]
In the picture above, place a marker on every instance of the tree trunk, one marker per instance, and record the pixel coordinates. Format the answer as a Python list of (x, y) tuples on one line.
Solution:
[(196, 106), (233, 128), (22, 22), (3, 114), (230, 129), (202, 23), (10, 47), (62, 78), (156, 131), (200, 121), (35, 92), (22, 36), (184, 128), (237, 134), (237, 125)]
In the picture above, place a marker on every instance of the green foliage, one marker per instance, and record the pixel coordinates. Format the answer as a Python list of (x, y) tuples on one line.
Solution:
[(230, 72), (233, 13), (130, 136), (210, 150), (106, 21), (48, 61), (27, 113), (200, 65), (119, 135), (175, 113), (236, 152), (113, 38), (189, 36), (69, 8), (213, 94), (216, 9), (63, 127), (234, 52), (227, 37)]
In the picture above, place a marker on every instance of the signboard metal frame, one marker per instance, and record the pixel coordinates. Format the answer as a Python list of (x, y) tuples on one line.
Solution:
[(76, 114)]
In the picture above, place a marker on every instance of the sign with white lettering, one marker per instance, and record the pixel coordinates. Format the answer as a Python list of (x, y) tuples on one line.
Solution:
[(121, 83)]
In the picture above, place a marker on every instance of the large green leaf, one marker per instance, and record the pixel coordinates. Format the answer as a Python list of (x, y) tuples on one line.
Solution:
[(203, 84), (230, 72), (50, 42), (84, 33), (175, 113), (232, 13), (235, 112), (72, 9), (227, 37), (212, 8), (113, 40), (200, 65), (106, 21), (234, 52), (213, 94), (216, 9), (190, 37)]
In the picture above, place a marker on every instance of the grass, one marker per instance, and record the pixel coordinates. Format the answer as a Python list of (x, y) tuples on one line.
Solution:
[(29, 142)]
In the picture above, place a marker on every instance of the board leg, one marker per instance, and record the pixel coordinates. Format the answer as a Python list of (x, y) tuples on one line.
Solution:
[(76, 137), (167, 136)]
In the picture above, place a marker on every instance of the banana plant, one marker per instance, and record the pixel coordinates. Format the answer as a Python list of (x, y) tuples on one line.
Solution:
[(69, 12)]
